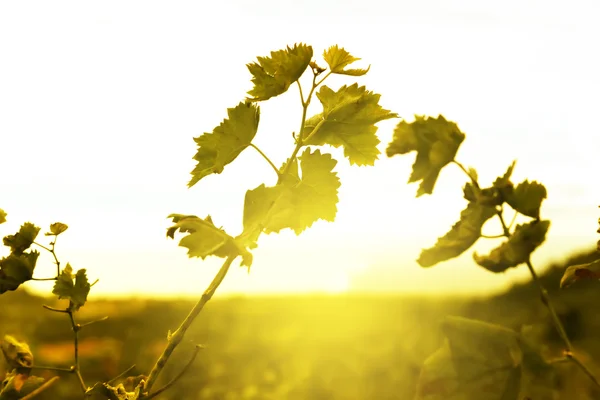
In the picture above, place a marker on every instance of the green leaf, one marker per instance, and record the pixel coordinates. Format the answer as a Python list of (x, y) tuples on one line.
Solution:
[(17, 354), (477, 361), (578, 272), (226, 142), (204, 239), (461, 236), (2, 216), (338, 59), (527, 198), (295, 202), (436, 142), (348, 120), (76, 292), (57, 228), (517, 249), (16, 269), (273, 75), (22, 240)]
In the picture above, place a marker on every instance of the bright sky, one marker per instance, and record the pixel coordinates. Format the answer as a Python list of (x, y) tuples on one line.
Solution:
[(99, 102)]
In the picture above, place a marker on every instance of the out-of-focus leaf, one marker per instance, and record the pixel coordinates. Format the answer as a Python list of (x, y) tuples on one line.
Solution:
[(17, 354), (575, 273), (460, 238), (22, 240), (2, 216), (436, 142), (517, 249), (17, 268)]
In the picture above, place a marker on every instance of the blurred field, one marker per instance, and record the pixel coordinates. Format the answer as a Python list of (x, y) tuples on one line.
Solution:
[(346, 347)]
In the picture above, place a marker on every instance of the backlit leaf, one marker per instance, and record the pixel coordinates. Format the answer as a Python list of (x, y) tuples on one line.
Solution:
[(226, 142), (204, 239), (57, 228), (296, 202), (338, 59), (527, 198), (461, 237), (273, 75), (22, 240), (16, 269), (75, 288), (2, 216), (517, 249), (436, 142), (576, 273), (348, 120), (477, 361)]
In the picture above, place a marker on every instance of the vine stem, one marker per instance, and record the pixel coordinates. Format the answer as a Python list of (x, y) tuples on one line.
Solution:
[(174, 339), (568, 352), (39, 390)]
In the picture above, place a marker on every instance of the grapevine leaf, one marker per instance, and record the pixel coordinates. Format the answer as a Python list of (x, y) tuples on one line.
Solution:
[(273, 75), (436, 142), (295, 202), (348, 120), (57, 228), (337, 58), (517, 249), (2, 216), (16, 269), (22, 240), (478, 360), (17, 354), (461, 236), (204, 239), (226, 142), (576, 273), (527, 198), (76, 292)]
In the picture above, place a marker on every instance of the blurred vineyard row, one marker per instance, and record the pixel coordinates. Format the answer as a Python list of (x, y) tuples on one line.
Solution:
[(349, 347)]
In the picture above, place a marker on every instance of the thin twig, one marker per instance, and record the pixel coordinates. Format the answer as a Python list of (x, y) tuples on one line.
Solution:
[(122, 374), (39, 390), (181, 373), (177, 336)]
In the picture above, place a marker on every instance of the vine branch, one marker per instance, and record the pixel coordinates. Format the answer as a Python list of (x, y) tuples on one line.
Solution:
[(175, 338)]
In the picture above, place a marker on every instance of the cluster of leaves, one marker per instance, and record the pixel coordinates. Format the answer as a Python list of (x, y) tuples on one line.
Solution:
[(436, 142), (307, 186), (17, 268)]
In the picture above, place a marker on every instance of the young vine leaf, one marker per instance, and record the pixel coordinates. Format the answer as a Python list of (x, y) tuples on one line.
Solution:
[(273, 75), (226, 142), (517, 249), (297, 201), (23, 239), (576, 273), (16, 269), (461, 236), (75, 288), (2, 216), (204, 239), (526, 198), (436, 142), (56, 229), (338, 59), (348, 120)]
